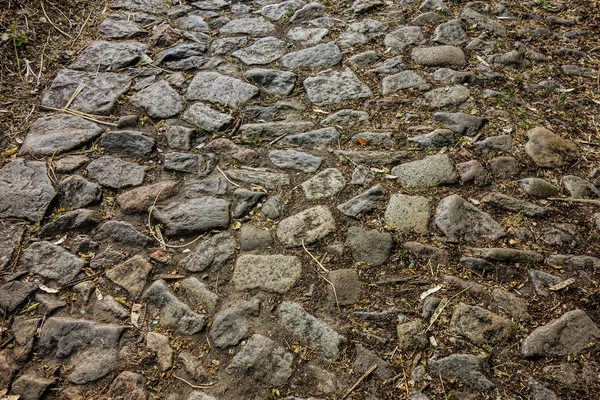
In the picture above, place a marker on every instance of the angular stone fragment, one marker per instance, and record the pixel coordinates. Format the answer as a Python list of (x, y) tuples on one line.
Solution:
[(115, 173), (263, 51), (104, 56), (76, 192), (57, 134), (452, 96), (408, 213), (194, 215), (26, 191), (404, 80), (411, 336), (248, 26), (306, 227), (273, 81), (159, 100), (233, 324), (212, 253), (429, 172), (272, 273), (326, 183), (269, 180), (98, 96), (117, 28), (372, 157), (129, 385), (362, 204), (308, 11), (402, 38), (319, 56), (511, 304), (307, 36), (52, 262), (14, 293), (264, 360), (346, 117), (127, 143), (362, 32), (320, 138), (439, 56), (483, 21), (10, 237), (331, 87), (297, 160), (571, 334), (450, 33), (574, 261), (459, 219), (131, 275), (278, 11), (206, 119), (269, 131), (466, 368), (509, 203), (121, 234), (139, 199), (369, 246), (547, 149), (173, 312), (438, 138), (462, 123), (481, 326), (70, 222), (435, 254), (306, 328), (348, 289), (580, 188), (88, 348), (507, 255), (220, 89)]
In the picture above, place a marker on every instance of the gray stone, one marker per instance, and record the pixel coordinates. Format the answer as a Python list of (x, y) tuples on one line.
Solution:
[(14, 293), (408, 213), (173, 312), (466, 368), (571, 334), (245, 200), (151, 6), (509, 203), (117, 28), (322, 55), (369, 246), (402, 38), (562, 235), (30, 387), (374, 138), (452, 77), (26, 190), (372, 157), (159, 100), (128, 143), (179, 137), (580, 188), (70, 163), (297, 160), (507, 255), (327, 22), (52, 262), (227, 45), (430, 253), (104, 56), (481, 326), (307, 36), (326, 183), (473, 171), (206, 186), (248, 26), (273, 208), (269, 131), (306, 227), (307, 329), (76, 192), (197, 294), (212, 253), (452, 96), (460, 220), (332, 87), (278, 11), (232, 325), (437, 138), (542, 281), (57, 134), (390, 66), (511, 304), (504, 167), (483, 21), (362, 204), (404, 80), (192, 22), (464, 124), (159, 344), (437, 6), (346, 117), (320, 138), (202, 164), (364, 59), (362, 32), (348, 289), (220, 89), (67, 82), (10, 237), (309, 11), (193, 216), (131, 275), (122, 234), (573, 262), (271, 273), (494, 143), (439, 56), (87, 348), (263, 360), (273, 81), (107, 259), (540, 392), (411, 336), (115, 173), (429, 172), (70, 222), (427, 18), (268, 180), (450, 33), (140, 199), (263, 51), (365, 359), (206, 119), (252, 238), (574, 375)]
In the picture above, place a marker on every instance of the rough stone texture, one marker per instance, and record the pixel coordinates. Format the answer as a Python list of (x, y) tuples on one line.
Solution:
[(320, 138), (206, 119), (408, 213), (481, 326), (306, 328), (464, 124), (272, 130), (31, 387), (75, 192), (139, 199), (272, 81), (195, 215), (248, 26), (10, 237), (449, 97), (26, 191), (319, 56), (121, 234), (306, 227), (52, 262), (109, 56), (348, 289), (362, 204), (571, 334), (220, 89), (159, 100), (369, 246), (326, 183), (269, 180), (439, 56), (57, 134), (233, 324), (115, 173), (127, 143), (460, 220), (547, 149), (263, 360), (402, 38), (332, 87), (509, 203), (404, 80), (297, 160), (272, 273), (411, 336), (198, 295), (173, 312), (263, 51), (212, 253), (14, 293), (128, 386), (131, 275), (429, 172), (466, 368), (160, 345)]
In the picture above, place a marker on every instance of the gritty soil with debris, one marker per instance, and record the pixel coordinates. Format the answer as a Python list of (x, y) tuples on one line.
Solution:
[(270, 199)]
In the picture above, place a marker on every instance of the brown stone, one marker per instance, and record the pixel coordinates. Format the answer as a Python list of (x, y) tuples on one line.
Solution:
[(480, 326), (140, 199), (128, 386), (547, 149), (347, 286)]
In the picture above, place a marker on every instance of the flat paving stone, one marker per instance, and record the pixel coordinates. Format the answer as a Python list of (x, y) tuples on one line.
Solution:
[(220, 89), (271, 273), (332, 87), (115, 173)]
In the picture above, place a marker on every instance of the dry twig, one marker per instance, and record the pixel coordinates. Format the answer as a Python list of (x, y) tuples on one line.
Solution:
[(358, 382), (206, 386)]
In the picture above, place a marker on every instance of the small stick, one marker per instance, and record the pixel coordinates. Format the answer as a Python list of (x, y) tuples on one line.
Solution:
[(228, 180), (572, 200), (207, 386), (52, 23), (443, 389), (39, 75), (83, 115), (314, 258), (277, 139), (404, 375), (322, 277), (358, 382)]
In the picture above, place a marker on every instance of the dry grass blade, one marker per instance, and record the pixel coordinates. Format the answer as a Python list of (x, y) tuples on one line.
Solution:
[(83, 115), (572, 200), (52, 23), (206, 386), (322, 277), (226, 178), (359, 381)]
